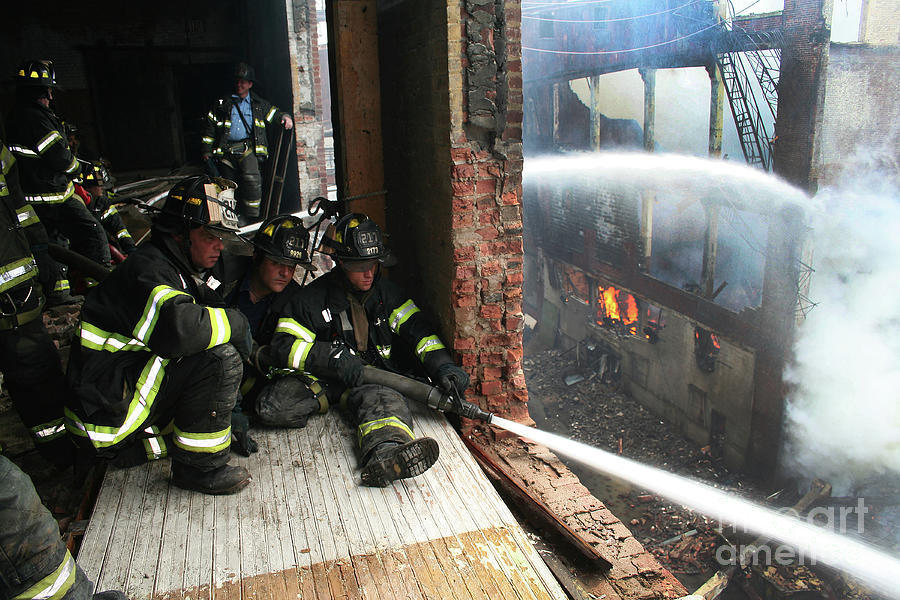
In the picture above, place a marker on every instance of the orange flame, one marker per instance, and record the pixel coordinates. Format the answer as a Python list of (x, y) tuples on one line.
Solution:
[(613, 303)]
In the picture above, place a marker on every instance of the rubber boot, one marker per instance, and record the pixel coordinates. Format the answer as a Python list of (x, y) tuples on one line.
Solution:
[(390, 461), (226, 479)]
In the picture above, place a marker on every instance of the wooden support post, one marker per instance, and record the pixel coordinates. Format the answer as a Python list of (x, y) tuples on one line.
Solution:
[(649, 77), (716, 109)]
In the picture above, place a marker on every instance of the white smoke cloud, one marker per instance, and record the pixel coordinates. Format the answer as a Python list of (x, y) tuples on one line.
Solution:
[(843, 416)]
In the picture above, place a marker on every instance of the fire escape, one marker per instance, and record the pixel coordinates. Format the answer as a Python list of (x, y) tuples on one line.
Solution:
[(750, 64)]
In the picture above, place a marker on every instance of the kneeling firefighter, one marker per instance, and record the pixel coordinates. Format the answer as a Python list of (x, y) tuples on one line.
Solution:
[(351, 317), (159, 357)]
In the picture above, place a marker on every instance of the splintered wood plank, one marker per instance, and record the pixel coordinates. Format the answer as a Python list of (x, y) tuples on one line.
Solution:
[(227, 541), (302, 526), (253, 510), (201, 540)]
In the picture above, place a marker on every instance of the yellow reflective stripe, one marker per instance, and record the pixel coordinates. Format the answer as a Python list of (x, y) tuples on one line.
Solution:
[(253, 203), (73, 166), (259, 123), (399, 316), (299, 351), (215, 441), (7, 160), (368, 427), (262, 150), (52, 197), (384, 351), (61, 285), (26, 216), (221, 327), (207, 139), (212, 117), (94, 338), (270, 114), (138, 410), (294, 328), (55, 585), (49, 430), (48, 140), (123, 234), (109, 212), (428, 344), (158, 296), (228, 123), (155, 445), (16, 272)]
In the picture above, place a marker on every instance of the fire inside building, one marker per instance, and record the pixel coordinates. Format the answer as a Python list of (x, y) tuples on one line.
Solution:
[(525, 190)]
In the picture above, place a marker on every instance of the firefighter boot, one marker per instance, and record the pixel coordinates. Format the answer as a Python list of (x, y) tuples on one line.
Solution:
[(226, 479), (390, 461)]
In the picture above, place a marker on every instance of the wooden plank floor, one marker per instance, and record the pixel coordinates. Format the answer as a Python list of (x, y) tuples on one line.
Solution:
[(305, 528)]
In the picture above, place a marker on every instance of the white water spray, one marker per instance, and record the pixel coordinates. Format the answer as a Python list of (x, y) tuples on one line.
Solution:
[(875, 568)]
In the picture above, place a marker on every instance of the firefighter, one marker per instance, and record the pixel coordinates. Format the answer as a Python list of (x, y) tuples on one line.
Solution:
[(236, 139), (158, 362), (28, 357), (36, 563), (281, 245), (351, 317), (47, 167), (95, 180)]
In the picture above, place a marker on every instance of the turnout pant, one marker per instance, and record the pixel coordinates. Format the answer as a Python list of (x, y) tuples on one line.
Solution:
[(33, 375), (34, 561), (190, 418), (244, 171)]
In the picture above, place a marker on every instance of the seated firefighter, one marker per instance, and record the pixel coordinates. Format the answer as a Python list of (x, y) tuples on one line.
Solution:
[(352, 317), (96, 181), (267, 287), (159, 359)]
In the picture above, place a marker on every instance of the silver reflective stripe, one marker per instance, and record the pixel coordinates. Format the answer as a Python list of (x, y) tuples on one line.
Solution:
[(48, 141), (63, 577), (24, 151), (15, 273), (51, 430)]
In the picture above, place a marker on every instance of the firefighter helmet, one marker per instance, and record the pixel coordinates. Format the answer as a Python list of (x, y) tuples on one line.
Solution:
[(244, 71), (284, 239), (96, 173), (200, 200), (355, 237), (36, 73)]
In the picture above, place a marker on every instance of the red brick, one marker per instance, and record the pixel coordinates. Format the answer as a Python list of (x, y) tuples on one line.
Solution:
[(491, 311), (486, 186), (464, 343), (512, 323), (463, 171), (485, 203), (460, 220), (463, 254), (463, 204), (514, 355), (488, 217), (491, 387), (488, 233), (491, 373), (515, 292), (490, 267), (502, 340), (518, 381), (465, 272), (514, 279), (491, 358), (514, 246), (460, 154), (495, 325), (509, 198), (469, 360), (464, 286), (461, 301)]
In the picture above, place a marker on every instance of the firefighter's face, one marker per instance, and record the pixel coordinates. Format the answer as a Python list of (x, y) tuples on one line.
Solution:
[(274, 276), (361, 274), (242, 87), (206, 247)]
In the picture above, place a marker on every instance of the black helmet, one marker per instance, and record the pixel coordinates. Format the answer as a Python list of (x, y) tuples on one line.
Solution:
[(284, 239), (200, 200), (36, 73), (355, 237), (244, 71), (95, 173)]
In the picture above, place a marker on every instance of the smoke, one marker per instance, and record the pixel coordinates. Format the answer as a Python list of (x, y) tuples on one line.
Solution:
[(843, 415)]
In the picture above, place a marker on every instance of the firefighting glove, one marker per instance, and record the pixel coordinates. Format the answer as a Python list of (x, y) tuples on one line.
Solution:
[(346, 365), (261, 358), (243, 444), (451, 377)]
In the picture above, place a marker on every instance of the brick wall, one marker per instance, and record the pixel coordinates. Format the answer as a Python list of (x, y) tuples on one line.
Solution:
[(801, 88)]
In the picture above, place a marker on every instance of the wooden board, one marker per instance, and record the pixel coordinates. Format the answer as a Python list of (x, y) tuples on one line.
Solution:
[(305, 528)]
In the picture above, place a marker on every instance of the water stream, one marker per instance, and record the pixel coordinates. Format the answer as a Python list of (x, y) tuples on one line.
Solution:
[(803, 540)]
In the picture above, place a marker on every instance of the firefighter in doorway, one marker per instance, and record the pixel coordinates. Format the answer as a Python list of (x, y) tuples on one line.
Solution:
[(236, 139), (352, 317), (264, 291), (29, 361), (158, 362), (47, 168)]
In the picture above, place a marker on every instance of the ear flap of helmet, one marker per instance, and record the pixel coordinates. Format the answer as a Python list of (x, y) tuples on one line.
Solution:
[(285, 239)]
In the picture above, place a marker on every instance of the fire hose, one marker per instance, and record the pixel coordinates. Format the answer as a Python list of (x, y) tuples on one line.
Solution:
[(83, 264), (426, 394)]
